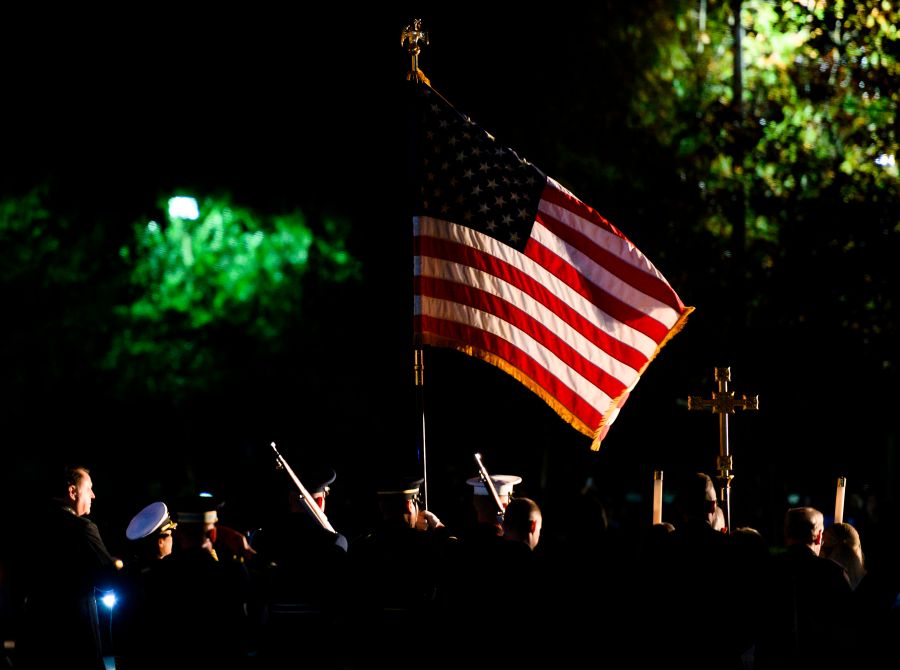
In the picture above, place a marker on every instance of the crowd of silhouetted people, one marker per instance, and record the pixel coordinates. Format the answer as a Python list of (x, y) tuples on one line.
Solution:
[(688, 593)]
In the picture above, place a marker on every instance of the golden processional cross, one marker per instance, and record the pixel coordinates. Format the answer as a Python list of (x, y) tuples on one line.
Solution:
[(724, 403)]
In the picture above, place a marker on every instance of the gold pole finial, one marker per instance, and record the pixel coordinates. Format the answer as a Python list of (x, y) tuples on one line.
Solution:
[(413, 35)]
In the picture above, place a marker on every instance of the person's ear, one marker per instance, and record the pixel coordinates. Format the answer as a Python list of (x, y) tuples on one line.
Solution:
[(73, 492), (818, 538), (532, 526), (410, 507)]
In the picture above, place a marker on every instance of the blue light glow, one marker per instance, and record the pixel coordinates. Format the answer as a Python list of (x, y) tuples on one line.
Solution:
[(108, 599)]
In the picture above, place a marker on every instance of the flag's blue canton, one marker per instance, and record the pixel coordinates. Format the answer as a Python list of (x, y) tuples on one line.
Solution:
[(471, 180)]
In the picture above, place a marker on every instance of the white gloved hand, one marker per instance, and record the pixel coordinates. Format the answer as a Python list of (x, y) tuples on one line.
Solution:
[(427, 521)]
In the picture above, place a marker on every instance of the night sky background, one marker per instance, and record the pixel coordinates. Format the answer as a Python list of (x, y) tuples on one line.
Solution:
[(283, 112)]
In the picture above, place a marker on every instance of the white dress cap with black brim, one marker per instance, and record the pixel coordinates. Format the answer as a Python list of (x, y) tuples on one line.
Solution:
[(147, 521), (503, 483)]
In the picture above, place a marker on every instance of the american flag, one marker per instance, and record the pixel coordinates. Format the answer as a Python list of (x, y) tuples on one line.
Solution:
[(512, 268)]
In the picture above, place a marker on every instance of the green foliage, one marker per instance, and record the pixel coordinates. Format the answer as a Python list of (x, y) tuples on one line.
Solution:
[(820, 98), (56, 292), (801, 173), (31, 240), (231, 279)]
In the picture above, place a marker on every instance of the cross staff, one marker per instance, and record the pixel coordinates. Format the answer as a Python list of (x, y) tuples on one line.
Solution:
[(724, 403)]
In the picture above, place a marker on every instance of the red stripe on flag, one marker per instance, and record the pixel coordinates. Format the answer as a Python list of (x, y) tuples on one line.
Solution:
[(466, 255), (620, 311), (487, 302), (467, 335), (648, 283)]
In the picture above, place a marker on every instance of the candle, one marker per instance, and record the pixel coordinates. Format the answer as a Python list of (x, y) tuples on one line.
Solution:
[(839, 500), (657, 496)]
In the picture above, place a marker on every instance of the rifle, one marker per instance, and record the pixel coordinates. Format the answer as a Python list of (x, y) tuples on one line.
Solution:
[(489, 483), (311, 506)]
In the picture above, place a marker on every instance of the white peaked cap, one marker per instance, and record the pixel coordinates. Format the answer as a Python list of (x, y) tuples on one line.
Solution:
[(503, 483), (148, 520)]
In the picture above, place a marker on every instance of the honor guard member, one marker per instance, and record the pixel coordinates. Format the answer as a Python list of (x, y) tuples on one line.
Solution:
[(396, 570), (150, 537), (489, 520), (195, 601), (470, 557), (151, 531), (301, 576)]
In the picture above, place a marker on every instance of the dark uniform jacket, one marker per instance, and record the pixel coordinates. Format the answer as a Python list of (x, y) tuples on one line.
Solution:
[(805, 611), (66, 563), (395, 572), (198, 606), (300, 575), (695, 585)]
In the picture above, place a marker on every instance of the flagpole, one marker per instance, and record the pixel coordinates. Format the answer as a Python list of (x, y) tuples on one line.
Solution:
[(419, 367), (412, 36)]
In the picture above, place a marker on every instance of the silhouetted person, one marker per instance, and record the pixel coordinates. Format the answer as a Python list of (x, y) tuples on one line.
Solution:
[(841, 544), (66, 566), (301, 574), (516, 580), (150, 540), (472, 557), (490, 575), (806, 608), (694, 574), (194, 600), (875, 615), (396, 569)]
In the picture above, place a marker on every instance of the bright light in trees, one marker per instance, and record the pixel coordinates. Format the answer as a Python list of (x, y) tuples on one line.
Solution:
[(184, 207)]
